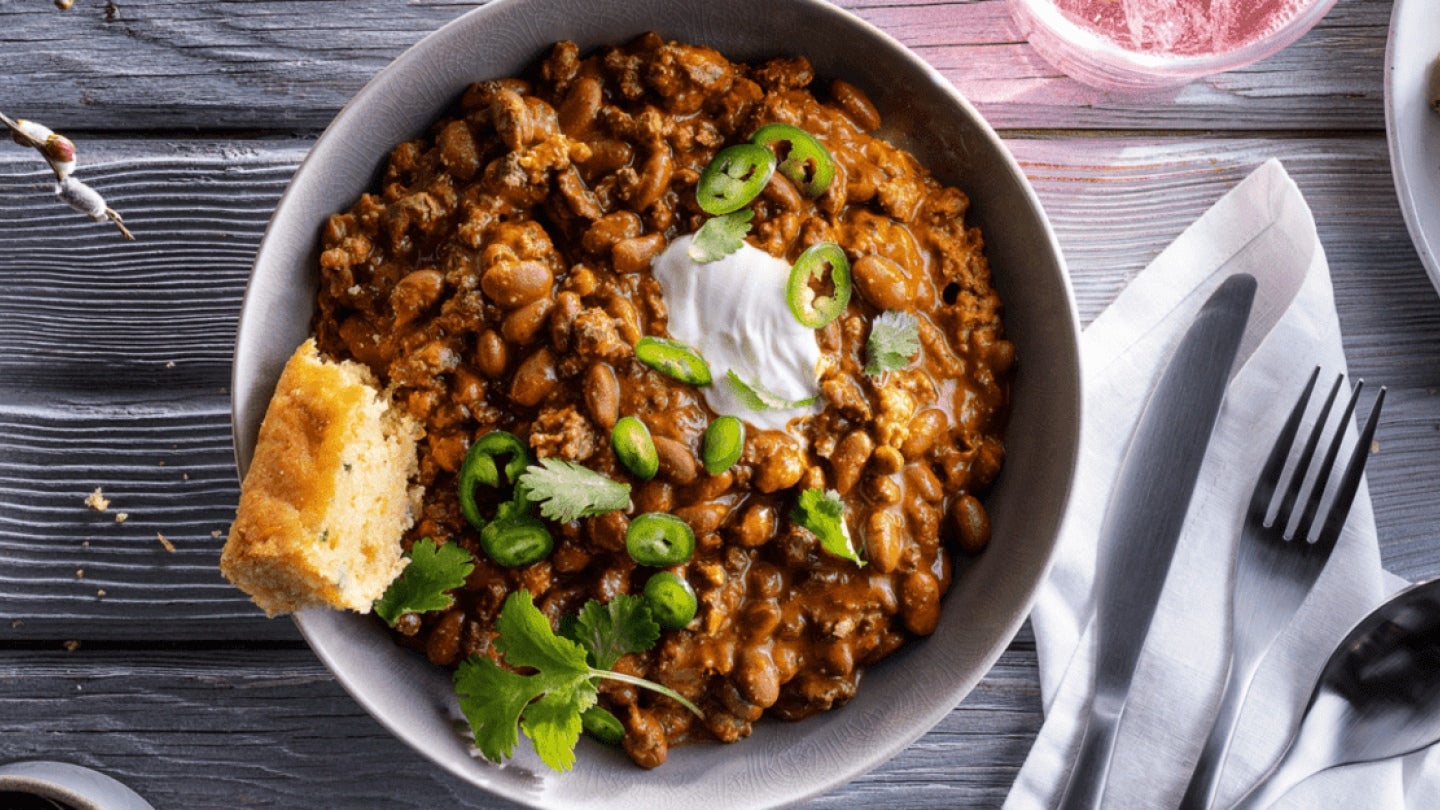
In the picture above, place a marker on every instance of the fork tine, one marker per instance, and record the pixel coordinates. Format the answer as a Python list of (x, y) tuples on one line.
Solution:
[(1275, 464), (1302, 467), (1345, 494), (1326, 467)]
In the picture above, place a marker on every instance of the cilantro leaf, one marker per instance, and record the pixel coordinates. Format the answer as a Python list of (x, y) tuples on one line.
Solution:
[(526, 640), (622, 625), (822, 512), (720, 236), (757, 398), (548, 704), (492, 699), (567, 491), (553, 724), (893, 342), (424, 584)]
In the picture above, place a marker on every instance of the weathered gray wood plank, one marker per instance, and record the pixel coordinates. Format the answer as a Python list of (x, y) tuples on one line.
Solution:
[(88, 325), (270, 728), (290, 64)]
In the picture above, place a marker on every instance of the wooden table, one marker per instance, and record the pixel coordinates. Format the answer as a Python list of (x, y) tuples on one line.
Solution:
[(115, 359)]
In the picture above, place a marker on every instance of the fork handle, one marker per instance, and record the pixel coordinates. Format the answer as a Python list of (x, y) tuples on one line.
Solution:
[(1200, 793), (1092, 765)]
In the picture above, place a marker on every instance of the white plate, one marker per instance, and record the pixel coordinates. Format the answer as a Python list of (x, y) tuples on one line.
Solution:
[(1412, 128)]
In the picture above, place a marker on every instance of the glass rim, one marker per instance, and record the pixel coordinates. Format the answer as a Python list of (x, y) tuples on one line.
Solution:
[(1096, 47)]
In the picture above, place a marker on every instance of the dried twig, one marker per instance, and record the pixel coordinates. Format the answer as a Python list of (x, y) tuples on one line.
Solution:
[(59, 152)]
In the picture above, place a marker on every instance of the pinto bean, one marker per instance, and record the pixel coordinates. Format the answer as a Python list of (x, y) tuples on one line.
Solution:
[(925, 429), (442, 646), (415, 293), (534, 379), (884, 539), (758, 678), (521, 326), (920, 602), (703, 518), (923, 483), (582, 103), (677, 463), (973, 523), (884, 283), (602, 395), (610, 229), (855, 104), (849, 459), (635, 254), (783, 193), (512, 285), (645, 741), (654, 179), (886, 460), (607, 156), (491, 354), (757, 525)]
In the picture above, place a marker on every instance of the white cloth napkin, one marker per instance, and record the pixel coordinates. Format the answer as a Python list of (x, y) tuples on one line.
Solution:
[(1262, 227)]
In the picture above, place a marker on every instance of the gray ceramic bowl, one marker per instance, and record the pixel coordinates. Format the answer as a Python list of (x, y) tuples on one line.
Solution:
[(907, 694)]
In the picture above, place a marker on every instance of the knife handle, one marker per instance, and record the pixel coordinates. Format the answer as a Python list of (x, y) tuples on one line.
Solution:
[(1092, 766)]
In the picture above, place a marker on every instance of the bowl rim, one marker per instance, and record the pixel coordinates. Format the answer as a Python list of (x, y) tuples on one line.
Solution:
[(876, 755)]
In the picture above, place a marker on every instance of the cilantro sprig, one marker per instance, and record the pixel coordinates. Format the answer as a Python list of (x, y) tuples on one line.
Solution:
[(424, 585), (893, 342), (566, 491), (547, 704), (822, 512), (720, 236)]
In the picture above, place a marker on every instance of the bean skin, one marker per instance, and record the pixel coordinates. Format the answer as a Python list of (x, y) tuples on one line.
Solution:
[(973, 523), (885, 539), (757, 525), (534, 379), (442, 646), (677, 463), (491, 354), (849, 459), (602, 395), (635, 254), (524, 324), (512, 285), (920, 602), (855, 103)]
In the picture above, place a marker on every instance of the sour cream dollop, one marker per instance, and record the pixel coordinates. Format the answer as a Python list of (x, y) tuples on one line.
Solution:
[(733, 312)]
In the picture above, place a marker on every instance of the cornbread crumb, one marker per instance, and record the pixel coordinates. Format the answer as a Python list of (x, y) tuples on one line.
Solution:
[(97, 501), (72, 645), (327, 498), (16, 624), (79, 573), (100, 594), (121, 517), (165, 541), (215, 534)]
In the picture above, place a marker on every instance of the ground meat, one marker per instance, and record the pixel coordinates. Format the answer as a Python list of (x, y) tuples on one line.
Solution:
[(498, 279)]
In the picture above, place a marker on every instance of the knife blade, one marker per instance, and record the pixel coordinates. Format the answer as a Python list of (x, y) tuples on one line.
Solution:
[(1145, 514)]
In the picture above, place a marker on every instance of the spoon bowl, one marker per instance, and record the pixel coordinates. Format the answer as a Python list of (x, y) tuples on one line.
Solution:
[(1377, 697)]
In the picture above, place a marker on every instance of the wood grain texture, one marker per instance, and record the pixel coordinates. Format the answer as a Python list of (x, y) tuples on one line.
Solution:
[(226, 729), (159, 65)]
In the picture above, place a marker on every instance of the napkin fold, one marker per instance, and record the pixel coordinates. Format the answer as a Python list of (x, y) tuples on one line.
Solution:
[(1262, 227)]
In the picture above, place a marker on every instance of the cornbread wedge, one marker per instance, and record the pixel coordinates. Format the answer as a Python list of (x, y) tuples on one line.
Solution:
[(327, 497)]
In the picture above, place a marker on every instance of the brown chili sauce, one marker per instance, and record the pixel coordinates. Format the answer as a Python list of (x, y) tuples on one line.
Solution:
[(499, 279)]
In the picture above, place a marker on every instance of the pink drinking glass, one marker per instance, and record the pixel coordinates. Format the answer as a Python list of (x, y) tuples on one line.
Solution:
[(1086, 55)]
